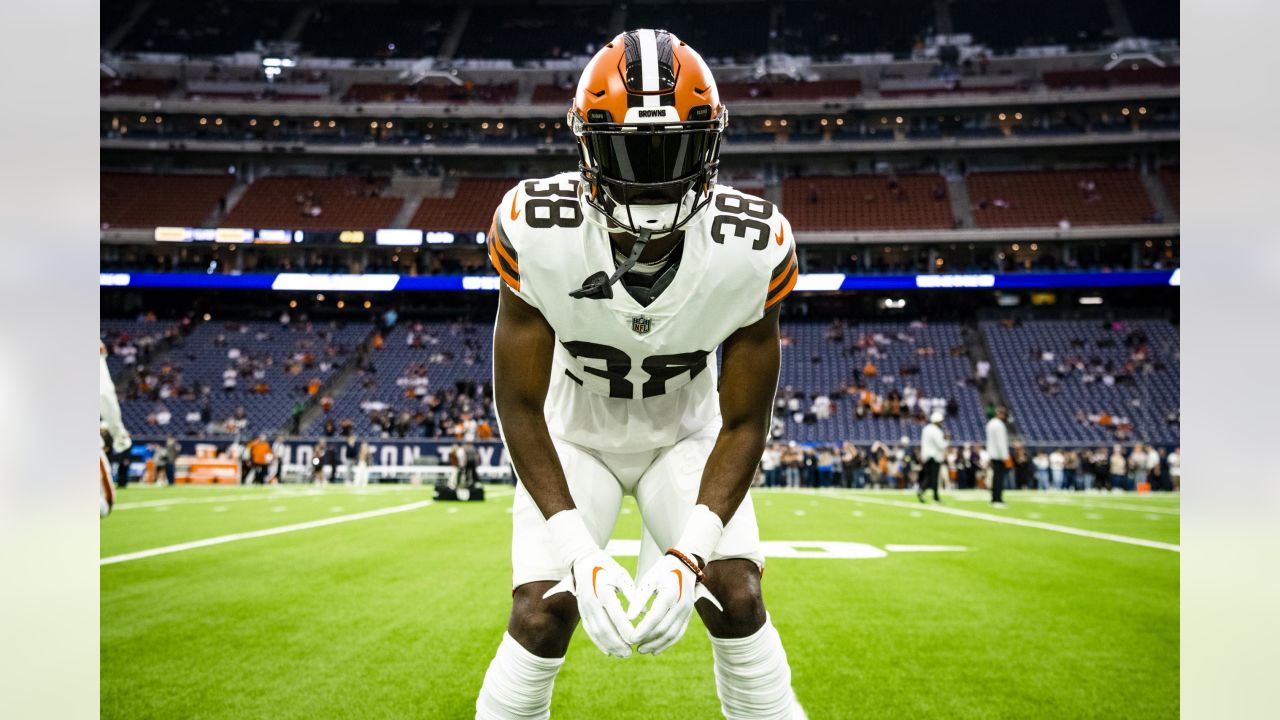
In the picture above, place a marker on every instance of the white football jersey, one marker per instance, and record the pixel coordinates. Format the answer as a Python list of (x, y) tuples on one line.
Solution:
[(626, 377)]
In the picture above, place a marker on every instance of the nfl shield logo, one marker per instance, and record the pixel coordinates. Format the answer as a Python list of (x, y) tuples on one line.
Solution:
[(641, 324)]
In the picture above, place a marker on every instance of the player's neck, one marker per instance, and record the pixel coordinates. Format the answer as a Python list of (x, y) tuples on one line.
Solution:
[(655, 250)]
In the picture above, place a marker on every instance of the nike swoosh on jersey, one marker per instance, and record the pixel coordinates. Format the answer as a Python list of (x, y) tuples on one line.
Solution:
[(778, 237), (515, 214)]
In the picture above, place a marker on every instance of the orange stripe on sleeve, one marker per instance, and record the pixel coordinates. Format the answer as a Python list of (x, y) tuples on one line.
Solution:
[(791, 263), (514, 282), (784, 291)]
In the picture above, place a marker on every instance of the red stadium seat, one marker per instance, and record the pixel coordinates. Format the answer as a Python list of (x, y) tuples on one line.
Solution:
[(469, 210), (866, 203), (139, 200), (1045, 198), (345, 203)]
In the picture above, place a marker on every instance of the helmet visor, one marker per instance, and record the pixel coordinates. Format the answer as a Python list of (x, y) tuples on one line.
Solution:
[(649, 154)]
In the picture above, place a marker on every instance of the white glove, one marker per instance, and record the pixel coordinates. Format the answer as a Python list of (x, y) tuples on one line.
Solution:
[(674, 586), (595, 579), (121, 441)]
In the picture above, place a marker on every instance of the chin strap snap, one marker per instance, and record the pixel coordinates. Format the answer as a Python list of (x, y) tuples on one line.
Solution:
[(598, 285)]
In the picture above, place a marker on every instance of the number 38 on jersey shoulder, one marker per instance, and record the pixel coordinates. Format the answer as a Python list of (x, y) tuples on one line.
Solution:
[(738, 263)]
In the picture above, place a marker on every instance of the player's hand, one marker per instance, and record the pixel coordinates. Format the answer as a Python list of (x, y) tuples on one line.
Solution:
[(674, 588), (596, 580), (120, 442)]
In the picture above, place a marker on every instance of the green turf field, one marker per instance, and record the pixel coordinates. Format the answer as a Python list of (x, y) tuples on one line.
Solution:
[(396, 614)]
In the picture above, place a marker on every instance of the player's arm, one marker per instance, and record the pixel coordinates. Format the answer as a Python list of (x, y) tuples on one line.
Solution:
[(748, 383), (523, 344)]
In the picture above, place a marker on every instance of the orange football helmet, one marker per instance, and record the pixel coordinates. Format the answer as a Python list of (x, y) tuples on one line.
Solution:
[(648, 120)]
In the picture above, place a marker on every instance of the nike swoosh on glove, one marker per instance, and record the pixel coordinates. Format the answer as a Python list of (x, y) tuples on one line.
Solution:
[(596, 580), (674, 589)]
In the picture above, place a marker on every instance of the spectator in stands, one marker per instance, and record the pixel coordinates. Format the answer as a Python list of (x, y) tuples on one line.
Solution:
[(167, 459), (1138, 468), (1118, 468), (877, 464), (771, 465), (1071, 469), (792, 459), (852, 466), (318, 453), (1156, 472), (1041, 463), (1057, 468), (276, 474)]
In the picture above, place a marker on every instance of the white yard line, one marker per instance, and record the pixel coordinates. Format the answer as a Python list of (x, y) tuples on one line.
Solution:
[(275, 495), (141, 554), (1133, 508), (1064, 529), (285, 494)]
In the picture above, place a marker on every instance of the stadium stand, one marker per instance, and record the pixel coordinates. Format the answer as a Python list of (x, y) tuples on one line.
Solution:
[(205, 28), (470, 209), (403, 29), (133, 341), (930, 87), (314, 203), (1082, 197), (911, 360), (1169, 176), (1006, 24), (1118, 77), (815, 90), (437, 369), (168, 393), (142, 200), (431, 93), (718, 30), (1152, 19), (148, 87), (830, 30), (1055, 375), (535, 30), (873, 202)]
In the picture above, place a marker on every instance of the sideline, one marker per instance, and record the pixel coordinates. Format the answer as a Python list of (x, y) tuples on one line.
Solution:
[(1064, 529), (141, 554)]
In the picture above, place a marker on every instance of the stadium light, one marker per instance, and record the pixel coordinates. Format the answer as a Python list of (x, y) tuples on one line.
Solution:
[(1090, 300)]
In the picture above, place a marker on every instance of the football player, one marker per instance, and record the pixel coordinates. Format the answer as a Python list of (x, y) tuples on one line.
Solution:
[(619, 281), (113, 424)]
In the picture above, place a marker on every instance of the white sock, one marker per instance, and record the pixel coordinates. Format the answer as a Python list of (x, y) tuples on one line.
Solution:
[(753, 678), (517, 685)]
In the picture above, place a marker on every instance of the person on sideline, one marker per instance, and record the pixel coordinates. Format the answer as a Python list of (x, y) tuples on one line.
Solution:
[(933, 452), (998, 450)]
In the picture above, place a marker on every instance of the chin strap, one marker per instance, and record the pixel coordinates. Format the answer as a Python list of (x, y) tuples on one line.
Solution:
[(598, 286)]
